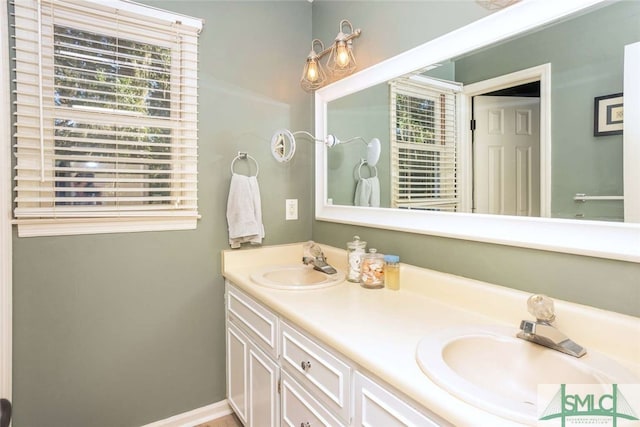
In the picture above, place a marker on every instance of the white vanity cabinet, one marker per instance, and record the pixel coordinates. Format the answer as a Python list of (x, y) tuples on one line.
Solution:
[(252, 369), (277, 375)]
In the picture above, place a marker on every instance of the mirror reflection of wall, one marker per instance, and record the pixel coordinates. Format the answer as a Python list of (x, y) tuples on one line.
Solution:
[(586, 57), (364, 114)]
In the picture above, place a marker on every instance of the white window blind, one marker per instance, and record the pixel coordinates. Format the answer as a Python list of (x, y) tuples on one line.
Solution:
[(423, 145), (106, 115)]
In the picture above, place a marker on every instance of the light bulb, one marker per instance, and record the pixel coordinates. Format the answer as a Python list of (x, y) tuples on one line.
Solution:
[(312, 71), (342, 55)]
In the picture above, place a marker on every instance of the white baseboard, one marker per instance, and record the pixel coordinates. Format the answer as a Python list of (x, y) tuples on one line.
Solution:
[(195, 417)]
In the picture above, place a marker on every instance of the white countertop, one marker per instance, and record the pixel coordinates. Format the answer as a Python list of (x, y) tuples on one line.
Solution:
[(380, 329)]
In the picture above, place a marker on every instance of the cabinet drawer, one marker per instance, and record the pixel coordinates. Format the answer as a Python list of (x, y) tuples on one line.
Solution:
[(260, 324), (300, 409), (323, 374), (375, 406)]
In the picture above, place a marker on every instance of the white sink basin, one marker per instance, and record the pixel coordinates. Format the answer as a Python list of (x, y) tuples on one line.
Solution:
[(488, 367), (295, 277)]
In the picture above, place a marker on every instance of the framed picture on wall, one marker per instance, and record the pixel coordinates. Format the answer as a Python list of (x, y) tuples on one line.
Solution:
[(608, 115)]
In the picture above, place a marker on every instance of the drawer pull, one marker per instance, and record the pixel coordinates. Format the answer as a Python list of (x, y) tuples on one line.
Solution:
[(305, 425), (305, 367)]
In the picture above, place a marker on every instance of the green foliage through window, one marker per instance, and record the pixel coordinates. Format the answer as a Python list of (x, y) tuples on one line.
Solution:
[(96, 73)]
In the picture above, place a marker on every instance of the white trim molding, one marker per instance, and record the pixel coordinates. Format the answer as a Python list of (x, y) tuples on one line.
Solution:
[(5, 212), (631, 135), (196, 416), (65, 227)]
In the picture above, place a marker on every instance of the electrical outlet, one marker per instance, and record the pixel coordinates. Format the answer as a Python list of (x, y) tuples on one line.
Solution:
[(291, 209)]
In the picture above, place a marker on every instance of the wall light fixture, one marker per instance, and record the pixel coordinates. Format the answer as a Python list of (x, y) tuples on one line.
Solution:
[(283, 145), (341, 60)]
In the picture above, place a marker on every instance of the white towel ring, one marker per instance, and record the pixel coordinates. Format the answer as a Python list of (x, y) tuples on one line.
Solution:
[(244, 156), (372, 169)]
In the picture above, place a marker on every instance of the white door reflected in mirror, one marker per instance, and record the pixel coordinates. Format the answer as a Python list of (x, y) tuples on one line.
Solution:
[(507, 155)]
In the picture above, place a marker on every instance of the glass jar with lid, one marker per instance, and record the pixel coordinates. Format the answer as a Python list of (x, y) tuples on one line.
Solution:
[(372, 270), (355, 252)]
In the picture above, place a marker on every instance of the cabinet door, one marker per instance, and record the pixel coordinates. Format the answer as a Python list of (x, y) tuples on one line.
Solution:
[(300, 409), (237, 368), (376, 406), (264, 407)]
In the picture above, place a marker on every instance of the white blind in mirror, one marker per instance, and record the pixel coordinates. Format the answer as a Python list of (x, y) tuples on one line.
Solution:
[(423, 144), (106, 112)]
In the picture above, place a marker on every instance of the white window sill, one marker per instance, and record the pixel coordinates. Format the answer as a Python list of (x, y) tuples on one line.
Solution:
[(67, 227)]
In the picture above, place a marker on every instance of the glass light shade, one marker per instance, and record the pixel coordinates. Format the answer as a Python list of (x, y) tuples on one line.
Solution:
[(341, 60), (313, 76)]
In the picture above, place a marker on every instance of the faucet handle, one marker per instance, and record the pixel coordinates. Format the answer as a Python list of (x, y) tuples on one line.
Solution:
[(541, 307), (312, 249)]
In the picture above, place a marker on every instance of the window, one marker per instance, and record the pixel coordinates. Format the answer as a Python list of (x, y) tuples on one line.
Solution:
[(423, 144), (106, 118)]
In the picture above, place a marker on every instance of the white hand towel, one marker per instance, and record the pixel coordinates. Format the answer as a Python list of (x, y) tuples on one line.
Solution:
[(244, 211), (374, 198), (367, 192), (363, 192)]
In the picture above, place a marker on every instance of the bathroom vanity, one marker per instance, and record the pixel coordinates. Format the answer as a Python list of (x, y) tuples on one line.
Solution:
[(342, 355)]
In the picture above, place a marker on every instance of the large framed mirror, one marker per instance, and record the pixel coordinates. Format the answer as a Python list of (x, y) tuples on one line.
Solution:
[(592, 210)]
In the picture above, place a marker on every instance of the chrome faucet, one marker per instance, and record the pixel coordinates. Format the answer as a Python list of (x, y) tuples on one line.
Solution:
[(542, 331), (313, 255)]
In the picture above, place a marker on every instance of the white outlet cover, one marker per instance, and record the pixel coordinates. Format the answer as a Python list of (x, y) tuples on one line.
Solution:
[(291, 209)]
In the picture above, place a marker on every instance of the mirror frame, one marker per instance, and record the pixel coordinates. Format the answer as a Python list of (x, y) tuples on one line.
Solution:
[(611, 240)]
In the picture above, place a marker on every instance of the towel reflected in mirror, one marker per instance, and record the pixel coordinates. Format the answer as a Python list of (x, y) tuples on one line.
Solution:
[(367, 192)]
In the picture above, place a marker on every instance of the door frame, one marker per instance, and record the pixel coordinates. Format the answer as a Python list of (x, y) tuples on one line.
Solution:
[(5, 212), (540, 73), (631, 134)]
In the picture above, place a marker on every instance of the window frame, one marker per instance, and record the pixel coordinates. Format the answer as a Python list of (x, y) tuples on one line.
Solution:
[(167, 216), (431, 90)]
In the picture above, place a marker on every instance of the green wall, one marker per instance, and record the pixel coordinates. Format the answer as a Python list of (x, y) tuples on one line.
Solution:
[(365, 114), (612, 285), (122, 330)]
